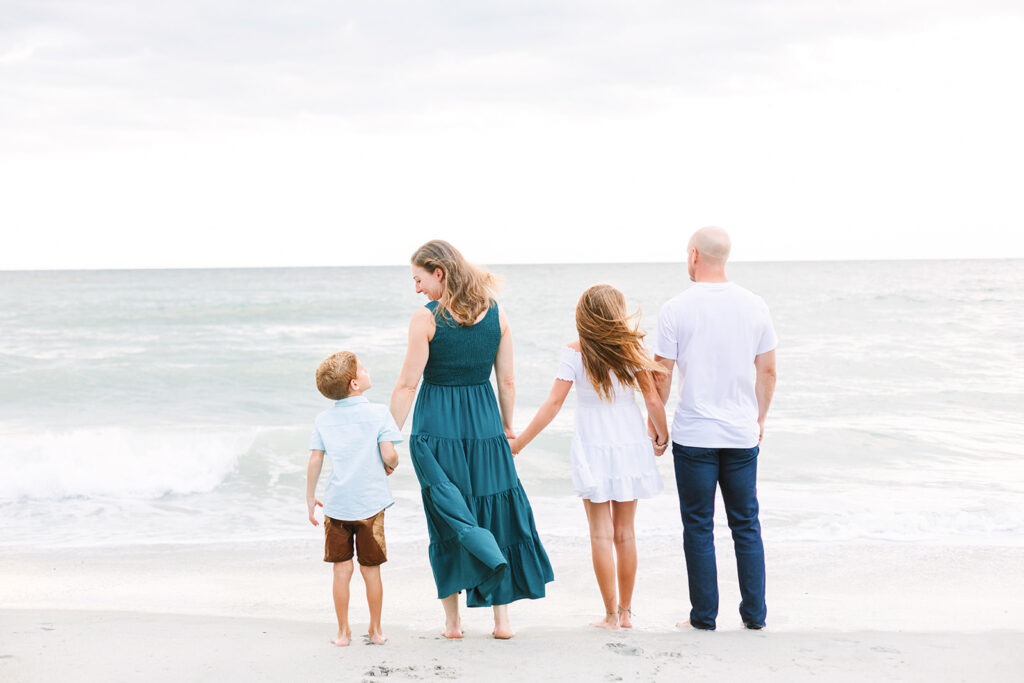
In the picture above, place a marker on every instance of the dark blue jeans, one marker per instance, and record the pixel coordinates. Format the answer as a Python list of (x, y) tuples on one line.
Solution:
[(698, 472)]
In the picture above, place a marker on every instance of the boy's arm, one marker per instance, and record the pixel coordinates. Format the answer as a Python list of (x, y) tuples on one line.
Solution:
[(316, 463), (389, 456)]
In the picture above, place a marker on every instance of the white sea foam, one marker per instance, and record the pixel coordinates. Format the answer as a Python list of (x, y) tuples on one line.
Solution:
[(116, 462)]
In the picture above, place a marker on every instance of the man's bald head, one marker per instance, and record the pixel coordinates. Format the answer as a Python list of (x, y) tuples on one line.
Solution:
[(713, 244)]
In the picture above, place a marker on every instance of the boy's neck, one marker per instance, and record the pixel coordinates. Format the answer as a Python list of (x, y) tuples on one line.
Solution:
[(355, 393)]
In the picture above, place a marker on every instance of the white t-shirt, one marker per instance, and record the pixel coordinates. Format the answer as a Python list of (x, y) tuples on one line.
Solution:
[(713, 330)]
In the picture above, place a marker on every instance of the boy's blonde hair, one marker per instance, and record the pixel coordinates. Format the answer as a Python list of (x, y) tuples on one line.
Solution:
[(335, 373)]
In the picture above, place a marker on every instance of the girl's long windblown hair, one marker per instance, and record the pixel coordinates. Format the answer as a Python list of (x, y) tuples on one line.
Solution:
[(611, 343), (468, 290)]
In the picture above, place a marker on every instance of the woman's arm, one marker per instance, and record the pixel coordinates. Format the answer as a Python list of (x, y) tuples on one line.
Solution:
[(505, 376), (421, 329), (652, 392), (544, 415)]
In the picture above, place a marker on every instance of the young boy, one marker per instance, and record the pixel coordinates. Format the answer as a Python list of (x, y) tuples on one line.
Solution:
[(358, 437)]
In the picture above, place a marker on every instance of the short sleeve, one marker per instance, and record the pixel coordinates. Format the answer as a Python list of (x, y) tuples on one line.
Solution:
[(666, 343), (567, 365), (768, 339), (388, 429), (316, 442)]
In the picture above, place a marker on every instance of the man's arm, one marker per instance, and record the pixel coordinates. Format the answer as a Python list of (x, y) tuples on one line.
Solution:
[(764, 387), (316, 463), (664, 379)]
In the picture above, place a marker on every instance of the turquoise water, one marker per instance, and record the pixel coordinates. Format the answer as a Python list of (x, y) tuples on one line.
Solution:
[(168, 406)]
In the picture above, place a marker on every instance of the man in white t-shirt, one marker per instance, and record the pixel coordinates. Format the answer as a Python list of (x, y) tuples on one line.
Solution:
[(721, 338)]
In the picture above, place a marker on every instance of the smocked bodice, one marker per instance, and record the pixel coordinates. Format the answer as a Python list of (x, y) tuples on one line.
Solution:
[(462, 354)]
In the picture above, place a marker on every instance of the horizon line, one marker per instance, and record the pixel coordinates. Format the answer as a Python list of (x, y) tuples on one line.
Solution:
[(87, 269)]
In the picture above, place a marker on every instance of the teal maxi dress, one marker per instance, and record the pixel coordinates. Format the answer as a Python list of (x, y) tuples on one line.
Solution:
[(482, 536)]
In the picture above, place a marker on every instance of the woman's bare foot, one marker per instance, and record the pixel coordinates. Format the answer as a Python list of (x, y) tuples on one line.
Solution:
[(377, 637), (342, 639), (625, 617), (502, 623), (610, 622), (452, 631), (503, 632)]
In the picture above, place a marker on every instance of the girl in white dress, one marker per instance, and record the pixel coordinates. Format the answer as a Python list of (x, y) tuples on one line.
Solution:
[(612, 455)]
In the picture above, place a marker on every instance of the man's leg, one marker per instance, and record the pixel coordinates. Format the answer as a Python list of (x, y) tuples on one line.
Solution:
[(738, 478), (696, 480)]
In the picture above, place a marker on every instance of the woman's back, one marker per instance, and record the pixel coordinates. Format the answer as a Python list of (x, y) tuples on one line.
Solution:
[(462, 354)]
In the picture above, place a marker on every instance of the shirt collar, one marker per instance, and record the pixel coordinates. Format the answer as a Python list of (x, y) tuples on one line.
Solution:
[(351, 401)]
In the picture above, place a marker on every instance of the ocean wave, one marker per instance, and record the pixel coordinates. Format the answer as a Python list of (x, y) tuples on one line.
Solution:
[(116, 462)]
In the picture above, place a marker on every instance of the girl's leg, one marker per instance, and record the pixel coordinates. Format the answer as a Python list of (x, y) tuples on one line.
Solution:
[(452, 622), (502, 623), (623, 515), (375, 599), (342, 576), (601, 535)]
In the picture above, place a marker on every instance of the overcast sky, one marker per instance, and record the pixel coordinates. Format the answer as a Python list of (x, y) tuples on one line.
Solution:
[(213, 133)]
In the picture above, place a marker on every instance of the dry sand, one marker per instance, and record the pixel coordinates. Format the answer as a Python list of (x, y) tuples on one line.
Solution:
[(263, 612)]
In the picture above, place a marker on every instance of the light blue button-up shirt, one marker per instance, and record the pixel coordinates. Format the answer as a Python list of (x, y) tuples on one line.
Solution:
[(349, 433)]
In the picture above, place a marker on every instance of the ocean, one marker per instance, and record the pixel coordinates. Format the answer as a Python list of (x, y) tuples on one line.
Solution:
[(174, 406)]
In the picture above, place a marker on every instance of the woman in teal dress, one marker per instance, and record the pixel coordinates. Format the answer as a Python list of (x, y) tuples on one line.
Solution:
[(482, 536)]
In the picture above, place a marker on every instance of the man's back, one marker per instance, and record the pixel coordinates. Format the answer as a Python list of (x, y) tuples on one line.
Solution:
[(713, 331)]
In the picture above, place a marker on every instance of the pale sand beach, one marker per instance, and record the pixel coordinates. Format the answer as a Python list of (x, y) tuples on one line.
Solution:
[(263, 612)]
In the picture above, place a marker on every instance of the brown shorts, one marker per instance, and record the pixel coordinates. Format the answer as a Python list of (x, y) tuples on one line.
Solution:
[(369, 540)]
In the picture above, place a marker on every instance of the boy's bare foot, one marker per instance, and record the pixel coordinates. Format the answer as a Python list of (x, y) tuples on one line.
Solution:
[(342, 639), (625, 617), (377, 638), (610, 622)]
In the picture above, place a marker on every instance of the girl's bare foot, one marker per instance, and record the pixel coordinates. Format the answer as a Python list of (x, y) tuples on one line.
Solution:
[(610, 622), (377, 637), (625, 617), (342, 639)]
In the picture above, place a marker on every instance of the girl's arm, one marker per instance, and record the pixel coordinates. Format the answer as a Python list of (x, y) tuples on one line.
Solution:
[(655, 410), (421, 329), (505, 376), (544, 415)]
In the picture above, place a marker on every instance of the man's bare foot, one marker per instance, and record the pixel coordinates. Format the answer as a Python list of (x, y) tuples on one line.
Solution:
[(452, 631), (610, 622), (342, 639), (687, 624), (625, 617), (377, 638)]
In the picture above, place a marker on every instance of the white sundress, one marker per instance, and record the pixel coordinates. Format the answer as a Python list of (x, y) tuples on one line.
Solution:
[(612, 456)]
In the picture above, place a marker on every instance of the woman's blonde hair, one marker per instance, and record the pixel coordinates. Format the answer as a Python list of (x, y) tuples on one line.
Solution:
[(468, 290), (610, 341)]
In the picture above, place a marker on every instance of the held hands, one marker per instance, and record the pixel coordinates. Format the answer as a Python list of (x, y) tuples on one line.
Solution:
[(659, 448), (311, 505), (511, 436)]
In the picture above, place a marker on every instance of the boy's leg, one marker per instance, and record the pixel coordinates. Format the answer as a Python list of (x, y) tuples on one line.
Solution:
[(696, 481), (342, 576), (602, 534), (375, 600), (623, 514)]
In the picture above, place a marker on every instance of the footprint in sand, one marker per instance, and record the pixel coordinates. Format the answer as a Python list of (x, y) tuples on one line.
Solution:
[(623, 649)]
